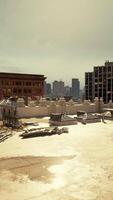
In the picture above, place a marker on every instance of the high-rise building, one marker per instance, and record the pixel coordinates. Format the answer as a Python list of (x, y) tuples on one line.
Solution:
[(89, 76), (67, 91), (101, 83), (108, 78), (75, 88), (58, 88), (47, 89)]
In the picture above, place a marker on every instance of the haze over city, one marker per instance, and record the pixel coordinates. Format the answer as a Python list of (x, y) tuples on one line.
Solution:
[(60, 39), (56, 99)]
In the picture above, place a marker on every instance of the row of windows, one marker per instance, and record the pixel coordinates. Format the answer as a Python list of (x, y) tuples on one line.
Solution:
[(20, 83), (20, 91), (17, 91), (108, 74), (103, 69)]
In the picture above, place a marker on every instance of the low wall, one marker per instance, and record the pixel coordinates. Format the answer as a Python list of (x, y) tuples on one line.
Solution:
[(46, 108), (39, 111), (26, 112)]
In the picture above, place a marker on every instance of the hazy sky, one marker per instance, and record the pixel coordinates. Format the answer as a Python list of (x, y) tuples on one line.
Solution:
[(58, 38)]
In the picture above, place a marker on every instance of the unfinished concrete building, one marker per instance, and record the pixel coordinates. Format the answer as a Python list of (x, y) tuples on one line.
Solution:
[(99, 83), (89, 85)]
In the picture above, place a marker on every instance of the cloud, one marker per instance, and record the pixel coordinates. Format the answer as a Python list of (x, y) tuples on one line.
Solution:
[(55, 37)]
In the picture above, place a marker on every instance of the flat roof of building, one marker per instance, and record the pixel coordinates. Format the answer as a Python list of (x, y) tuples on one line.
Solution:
[(22, 74)]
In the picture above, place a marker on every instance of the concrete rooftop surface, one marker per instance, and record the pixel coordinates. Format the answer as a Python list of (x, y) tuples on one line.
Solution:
[(72, 166)]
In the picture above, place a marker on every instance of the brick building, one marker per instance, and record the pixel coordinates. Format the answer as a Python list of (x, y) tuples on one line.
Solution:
[(21, 85)]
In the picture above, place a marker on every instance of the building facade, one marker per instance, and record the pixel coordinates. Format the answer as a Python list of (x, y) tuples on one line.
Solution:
[(67, 91), (101, 83), (58, 88), (21, 85), (47, 89), (89, 76)]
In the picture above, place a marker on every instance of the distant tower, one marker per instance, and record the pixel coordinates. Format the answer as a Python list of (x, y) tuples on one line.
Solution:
[(75, 88), (67, 91), (58, 88), (47, 89)]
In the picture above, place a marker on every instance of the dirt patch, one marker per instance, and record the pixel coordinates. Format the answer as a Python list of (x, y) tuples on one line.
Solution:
[(36, 168)]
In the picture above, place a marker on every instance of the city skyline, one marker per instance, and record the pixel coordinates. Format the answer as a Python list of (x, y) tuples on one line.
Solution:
[(58, 89), (60, 39)]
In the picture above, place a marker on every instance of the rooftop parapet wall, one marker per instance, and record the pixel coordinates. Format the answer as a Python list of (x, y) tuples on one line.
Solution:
[(28, 112), (46, 108)]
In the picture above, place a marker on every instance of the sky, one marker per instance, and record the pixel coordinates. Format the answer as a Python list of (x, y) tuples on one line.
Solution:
[(61, 39)]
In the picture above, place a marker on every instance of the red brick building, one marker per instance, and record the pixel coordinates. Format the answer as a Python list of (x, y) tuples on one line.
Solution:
[(21, 85)]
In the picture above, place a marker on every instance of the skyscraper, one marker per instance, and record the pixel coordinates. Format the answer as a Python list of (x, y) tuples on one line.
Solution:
[(47, 89), (75, 88), (58, 88), (67, 91)]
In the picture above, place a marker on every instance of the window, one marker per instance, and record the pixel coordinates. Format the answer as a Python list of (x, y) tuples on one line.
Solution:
[(109, 68), (7, 82), (25, 91), (28, 83), (109, 84), (86, 81), (100, 69), (96, 72), (18, 83), (14, 90), (96, 87), (4, 91), (19, 91), (29, 91)]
